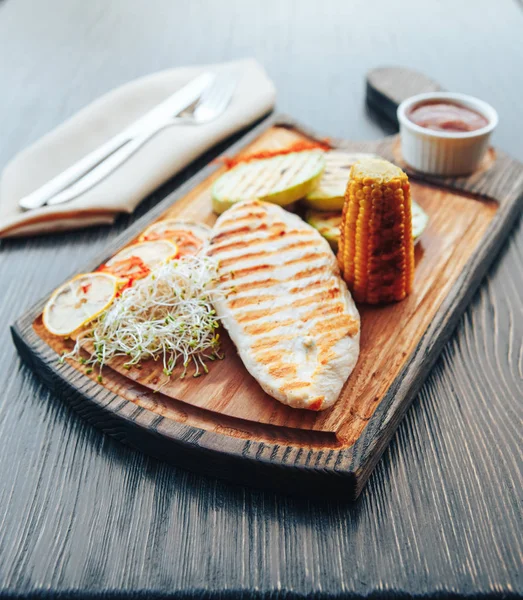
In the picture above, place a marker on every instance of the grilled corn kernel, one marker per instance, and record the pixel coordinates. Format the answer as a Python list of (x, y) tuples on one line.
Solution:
[(376, 250)]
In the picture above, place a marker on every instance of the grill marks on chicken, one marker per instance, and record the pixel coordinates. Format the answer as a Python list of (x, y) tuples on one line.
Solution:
[(284, 304)]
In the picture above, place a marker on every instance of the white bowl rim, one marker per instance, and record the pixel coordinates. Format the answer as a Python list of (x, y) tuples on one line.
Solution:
[(485, 109)]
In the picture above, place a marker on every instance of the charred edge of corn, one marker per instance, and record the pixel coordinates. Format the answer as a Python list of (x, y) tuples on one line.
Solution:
[(376, 251)]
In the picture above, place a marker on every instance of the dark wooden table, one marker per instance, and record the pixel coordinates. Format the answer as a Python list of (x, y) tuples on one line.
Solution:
[(81, 515)]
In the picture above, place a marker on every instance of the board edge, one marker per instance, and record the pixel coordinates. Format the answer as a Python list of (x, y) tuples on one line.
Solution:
[(351, 465)]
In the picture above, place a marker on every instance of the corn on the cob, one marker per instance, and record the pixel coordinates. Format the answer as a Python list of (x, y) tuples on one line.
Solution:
[(376, 251)]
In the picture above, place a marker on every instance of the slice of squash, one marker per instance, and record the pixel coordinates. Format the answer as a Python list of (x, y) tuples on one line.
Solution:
[(280, 179), (328, 223), (329, 194)]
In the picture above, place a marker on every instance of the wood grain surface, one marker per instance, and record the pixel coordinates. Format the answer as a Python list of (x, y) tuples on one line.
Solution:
[(389, 334), (254, 440), (81, 515)]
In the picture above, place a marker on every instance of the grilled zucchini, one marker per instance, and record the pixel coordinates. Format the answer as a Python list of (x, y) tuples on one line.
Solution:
[(329, 194), (328, 223), (281, 179)]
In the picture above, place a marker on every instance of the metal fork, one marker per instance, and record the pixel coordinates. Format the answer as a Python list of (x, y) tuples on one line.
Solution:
[(210, 105)]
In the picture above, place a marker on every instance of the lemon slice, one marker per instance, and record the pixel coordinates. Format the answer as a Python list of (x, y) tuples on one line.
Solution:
[(328, 223), (188, 237), (79, 301), (281, 179), (150, 253), (329, 194)]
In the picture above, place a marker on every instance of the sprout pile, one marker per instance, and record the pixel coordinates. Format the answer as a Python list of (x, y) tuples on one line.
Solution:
[(168, 315)]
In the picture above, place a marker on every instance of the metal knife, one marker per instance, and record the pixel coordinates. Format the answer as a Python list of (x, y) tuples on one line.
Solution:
[(172, 106)]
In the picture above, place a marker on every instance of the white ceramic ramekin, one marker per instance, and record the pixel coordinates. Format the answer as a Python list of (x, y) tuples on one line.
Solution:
[(444, 152)]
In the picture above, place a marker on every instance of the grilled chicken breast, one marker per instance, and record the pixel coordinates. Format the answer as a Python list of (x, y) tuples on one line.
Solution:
[(284, 304)]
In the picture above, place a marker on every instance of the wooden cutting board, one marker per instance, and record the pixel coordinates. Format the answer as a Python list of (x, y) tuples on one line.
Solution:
[(223, 423)]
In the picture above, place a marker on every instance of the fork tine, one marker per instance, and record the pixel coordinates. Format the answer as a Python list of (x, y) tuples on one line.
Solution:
[(217, 93), (215, 98), (226, 94), (217, 102)]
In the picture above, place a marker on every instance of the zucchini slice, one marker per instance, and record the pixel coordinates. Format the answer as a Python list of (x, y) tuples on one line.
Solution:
[(281, 179), (330, 191), (419, 220), (328, 223)]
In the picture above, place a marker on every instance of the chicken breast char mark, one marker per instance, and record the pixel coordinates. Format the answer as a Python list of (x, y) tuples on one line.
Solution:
[(284, 305)]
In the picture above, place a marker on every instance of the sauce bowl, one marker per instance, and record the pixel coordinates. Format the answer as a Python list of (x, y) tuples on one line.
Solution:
[(444, 152)]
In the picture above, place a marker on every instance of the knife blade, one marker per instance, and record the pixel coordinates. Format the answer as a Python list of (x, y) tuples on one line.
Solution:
[(172, 106)]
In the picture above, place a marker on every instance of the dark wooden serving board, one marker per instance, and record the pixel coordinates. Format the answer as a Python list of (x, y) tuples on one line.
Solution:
[(223, 424)]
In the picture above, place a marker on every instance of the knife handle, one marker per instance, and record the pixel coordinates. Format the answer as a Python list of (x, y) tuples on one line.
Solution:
[(42, 195), (105, 168)]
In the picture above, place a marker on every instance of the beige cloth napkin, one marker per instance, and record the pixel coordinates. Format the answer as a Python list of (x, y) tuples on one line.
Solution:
[(158, 160)]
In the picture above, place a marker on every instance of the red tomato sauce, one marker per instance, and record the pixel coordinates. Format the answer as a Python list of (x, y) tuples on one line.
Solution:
[(446, 116)]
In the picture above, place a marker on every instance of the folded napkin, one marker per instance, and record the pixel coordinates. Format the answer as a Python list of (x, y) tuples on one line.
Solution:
[(159, 159)]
